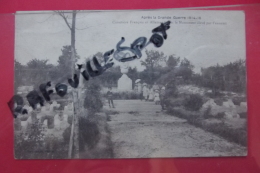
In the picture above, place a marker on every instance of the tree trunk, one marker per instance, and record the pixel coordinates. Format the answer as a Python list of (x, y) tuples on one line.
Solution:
[(74, 146), (73, 39)]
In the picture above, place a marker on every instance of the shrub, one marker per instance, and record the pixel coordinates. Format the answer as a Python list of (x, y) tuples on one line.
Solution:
[(125, 95), (30, 142), (89, 133), (174, 102), (66, 135), (219, 101), (36, 145), (207, 113), (55, 148), (93, 99), (238, 100), (215, 94), (243, 115), (171, 89), (220, 115), (194, 102), (238, 136)]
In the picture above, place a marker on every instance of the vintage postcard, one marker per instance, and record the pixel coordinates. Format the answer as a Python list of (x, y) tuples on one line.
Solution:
[(130, 84)]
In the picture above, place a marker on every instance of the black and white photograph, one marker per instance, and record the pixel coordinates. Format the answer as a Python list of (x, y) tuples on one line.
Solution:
[(129, 84)]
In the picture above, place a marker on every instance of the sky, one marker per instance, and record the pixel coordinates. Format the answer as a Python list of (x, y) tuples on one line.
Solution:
[(213, 37)]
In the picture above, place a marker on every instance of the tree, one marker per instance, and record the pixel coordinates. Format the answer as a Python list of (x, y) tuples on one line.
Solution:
[(173, 61), (110, 77), (132, 74), (152, 62), (153, 59), (186, 63), (72, 28), (19, 75), (168, 73), (37, 72), (78, 102), (185, 70), (65, 62), (230, 77)]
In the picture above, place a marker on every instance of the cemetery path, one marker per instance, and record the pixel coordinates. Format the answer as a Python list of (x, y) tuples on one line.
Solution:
[(141, 130)]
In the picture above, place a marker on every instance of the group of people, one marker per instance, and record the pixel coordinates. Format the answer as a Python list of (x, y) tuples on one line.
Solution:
[(154, 93)]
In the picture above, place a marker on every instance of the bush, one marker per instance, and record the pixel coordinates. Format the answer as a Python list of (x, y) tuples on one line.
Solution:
[(174, 102), (171, 89), (93, 99), (125, 95), (243, 115), (89, 133), (238, 136), (194, 102), (215, 94), (220, 115), (27, 144), (207, 113), (66, 135), (219, 101), (238, 100)]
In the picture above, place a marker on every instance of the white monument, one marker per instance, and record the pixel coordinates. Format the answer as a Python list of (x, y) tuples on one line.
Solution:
[(124, 83)]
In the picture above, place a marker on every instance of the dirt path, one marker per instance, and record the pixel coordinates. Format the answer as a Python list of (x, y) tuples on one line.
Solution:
[(141, 130)]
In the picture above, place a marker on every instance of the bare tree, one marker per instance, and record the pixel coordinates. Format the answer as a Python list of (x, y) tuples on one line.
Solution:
[(72, 27), (74, 138)]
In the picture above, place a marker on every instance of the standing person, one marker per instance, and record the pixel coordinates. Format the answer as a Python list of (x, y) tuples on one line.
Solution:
[(110, 98), (157, 97), (145, 92), (151, 94), (162, 97)]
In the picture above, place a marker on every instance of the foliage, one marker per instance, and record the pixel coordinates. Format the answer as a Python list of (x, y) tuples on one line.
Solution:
[(194, 102), (132, 74), (152, 63), (238, 136), (220, 115), (238, 100), (154, 58), (230, 77), (110, 77), (176, 69), (35, 72), (207, 113), (65, 62), (30, 142), (219, 101), (243, 115), (89, 134), (171, 88), (186, 63), (19, 76), (93, 99), (125, 95), (173, 61)]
